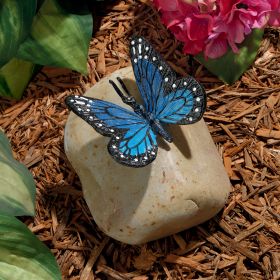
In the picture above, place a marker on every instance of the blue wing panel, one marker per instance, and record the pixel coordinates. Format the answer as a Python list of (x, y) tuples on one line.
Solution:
[(137, 147), (174, 106), (150, 72), (107, 118), (132, 143), (185, 104)]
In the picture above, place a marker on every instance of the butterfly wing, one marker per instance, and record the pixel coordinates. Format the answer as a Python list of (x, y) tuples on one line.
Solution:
[(171, 100), (184, 104), (132, 143)]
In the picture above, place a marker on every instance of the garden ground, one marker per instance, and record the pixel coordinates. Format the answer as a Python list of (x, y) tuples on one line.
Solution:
[(241, 242)]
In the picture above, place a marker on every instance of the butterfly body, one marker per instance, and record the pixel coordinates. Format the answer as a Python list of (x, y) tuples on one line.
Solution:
[(166, 100)]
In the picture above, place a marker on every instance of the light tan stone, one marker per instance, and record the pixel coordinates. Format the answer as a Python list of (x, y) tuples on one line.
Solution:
[(185, 186)]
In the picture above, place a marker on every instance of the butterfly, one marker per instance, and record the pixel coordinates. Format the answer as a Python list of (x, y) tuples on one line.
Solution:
[(166, 100)]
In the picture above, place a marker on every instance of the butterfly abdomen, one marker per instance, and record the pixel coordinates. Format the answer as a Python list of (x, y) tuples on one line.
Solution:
[(157, 127)]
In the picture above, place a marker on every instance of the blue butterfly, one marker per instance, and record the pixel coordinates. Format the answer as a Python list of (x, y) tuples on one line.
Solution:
[(167, 100)]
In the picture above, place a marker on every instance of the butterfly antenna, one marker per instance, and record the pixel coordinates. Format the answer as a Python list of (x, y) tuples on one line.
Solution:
[(129, 100), (123, 86), (118, 91)]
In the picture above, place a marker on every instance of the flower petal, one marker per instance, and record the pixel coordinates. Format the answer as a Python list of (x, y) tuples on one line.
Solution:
[(193, 47), (216, 47), (199, 26)]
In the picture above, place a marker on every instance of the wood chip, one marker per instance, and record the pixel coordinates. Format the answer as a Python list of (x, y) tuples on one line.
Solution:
[(267, 133), (93, 258), (189, 262)]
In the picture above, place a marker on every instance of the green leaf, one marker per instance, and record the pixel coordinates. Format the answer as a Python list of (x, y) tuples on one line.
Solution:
[(17, 187), (22, 255), (58, 38), (15, 23), (231, 66), (15, 76)]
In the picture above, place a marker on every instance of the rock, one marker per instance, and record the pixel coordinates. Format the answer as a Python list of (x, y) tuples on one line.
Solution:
[(185, 186)]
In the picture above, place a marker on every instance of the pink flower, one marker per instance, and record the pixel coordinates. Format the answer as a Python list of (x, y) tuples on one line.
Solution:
[(274, 19), (213, 25), (190, 22), (216, 45), (237, 19)]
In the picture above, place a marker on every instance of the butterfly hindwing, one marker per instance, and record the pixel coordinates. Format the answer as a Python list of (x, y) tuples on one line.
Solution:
[(137, 147), (132, 142), (184, 104), (171, 100)]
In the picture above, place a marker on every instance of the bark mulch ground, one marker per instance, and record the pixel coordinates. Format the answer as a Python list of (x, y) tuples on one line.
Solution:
[(241, 242)]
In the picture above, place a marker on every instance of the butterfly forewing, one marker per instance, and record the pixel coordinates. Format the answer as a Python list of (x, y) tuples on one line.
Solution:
[(132, 142), (171, 100), (149, 70)]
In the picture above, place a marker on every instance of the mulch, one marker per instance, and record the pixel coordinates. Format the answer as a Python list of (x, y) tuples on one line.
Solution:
[(241, 242)]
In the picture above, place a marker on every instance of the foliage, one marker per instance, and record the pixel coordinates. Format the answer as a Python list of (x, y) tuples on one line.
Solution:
[(22, 255), (17, 187), (40, 33)]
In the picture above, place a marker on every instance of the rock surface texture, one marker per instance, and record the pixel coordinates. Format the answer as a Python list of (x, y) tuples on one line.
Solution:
[(185, 186)]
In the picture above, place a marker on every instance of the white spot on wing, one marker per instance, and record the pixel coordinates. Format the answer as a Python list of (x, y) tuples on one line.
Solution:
[(80, 102)]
